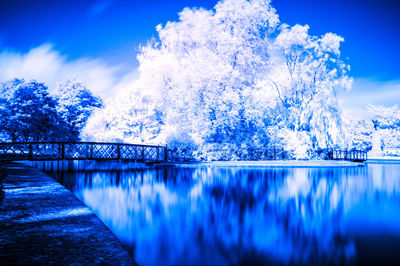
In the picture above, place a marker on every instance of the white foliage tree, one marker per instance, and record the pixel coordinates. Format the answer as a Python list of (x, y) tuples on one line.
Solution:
[(75, 105), (307, 73), (358, 134), (132, 118), (386, 122), (228, 80), (384, 117)]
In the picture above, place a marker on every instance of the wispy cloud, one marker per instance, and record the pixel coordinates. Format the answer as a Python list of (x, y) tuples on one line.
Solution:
[(99, 7), (46, 64), (369, 91)]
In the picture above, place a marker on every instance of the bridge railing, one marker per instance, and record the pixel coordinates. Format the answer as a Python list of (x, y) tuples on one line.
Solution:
[(274, 153), (41, 151), (349, 155)]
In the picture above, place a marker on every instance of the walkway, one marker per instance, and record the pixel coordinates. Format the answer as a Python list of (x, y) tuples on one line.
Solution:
[(41, 222)]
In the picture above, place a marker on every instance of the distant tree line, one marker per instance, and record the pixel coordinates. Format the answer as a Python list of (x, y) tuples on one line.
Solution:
[(28, 112), (379, 131)]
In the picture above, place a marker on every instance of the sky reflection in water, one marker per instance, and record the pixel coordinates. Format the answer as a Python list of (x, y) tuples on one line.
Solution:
[(230, 216)]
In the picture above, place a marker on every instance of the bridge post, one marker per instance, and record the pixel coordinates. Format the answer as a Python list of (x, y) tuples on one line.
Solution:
[(63, 151), (143, 153), (91, 151), (30, 151), (118, 152), (165, 153)]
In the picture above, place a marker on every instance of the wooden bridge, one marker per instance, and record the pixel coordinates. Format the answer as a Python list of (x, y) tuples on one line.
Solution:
[(47, 151)]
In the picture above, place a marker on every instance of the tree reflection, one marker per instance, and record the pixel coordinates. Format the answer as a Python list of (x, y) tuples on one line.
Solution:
[(203, 215)]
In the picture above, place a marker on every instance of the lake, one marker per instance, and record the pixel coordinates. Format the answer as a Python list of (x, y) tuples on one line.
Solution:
[(204, 215)]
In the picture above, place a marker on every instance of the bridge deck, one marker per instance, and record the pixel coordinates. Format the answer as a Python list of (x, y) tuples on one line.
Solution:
[(44, 151)]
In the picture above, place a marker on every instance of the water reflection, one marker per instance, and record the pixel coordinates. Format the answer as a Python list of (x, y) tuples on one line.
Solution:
[(232, 216)]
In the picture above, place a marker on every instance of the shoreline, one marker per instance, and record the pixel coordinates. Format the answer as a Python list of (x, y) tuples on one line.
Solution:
[(271, 164), (384, 159), (121, 165)]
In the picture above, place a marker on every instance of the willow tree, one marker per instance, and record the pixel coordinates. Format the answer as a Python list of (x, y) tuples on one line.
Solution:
[(307, 74)]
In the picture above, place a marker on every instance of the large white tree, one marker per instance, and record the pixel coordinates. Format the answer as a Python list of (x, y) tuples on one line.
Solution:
[(230, 79)]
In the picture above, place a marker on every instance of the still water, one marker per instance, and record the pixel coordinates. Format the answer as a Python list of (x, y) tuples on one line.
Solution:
[(203, 215)]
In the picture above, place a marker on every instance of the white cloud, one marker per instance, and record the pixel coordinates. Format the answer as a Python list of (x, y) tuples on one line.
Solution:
[(369, 91), (47, 65)]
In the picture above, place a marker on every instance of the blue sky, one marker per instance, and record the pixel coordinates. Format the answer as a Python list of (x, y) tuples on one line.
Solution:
[(107, 32)]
